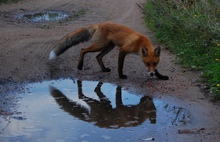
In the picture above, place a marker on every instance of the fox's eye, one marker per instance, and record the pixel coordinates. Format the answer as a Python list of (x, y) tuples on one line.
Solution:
[(155, 64), (147, 64)]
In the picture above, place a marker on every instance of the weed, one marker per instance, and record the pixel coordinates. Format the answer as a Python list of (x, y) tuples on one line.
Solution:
[(190, 28), (8, 1)]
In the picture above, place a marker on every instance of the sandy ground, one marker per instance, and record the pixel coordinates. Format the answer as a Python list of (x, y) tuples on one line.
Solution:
[(25, 48)]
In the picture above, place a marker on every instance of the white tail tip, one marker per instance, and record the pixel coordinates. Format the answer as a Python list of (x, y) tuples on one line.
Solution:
[(52, 55)]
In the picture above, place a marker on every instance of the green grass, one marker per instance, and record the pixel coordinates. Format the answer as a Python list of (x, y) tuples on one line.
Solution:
[(8, 1), (193, 33)]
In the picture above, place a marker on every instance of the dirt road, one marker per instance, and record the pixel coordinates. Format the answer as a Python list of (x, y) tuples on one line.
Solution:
[(25, 48)]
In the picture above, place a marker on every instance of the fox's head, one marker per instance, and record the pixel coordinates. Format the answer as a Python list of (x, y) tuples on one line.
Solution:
[(151, 58)]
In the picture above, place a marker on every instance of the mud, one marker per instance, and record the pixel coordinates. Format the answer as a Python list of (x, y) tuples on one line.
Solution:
[(25, 48)]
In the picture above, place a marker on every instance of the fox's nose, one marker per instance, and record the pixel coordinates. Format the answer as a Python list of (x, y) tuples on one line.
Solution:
[(151, 74)]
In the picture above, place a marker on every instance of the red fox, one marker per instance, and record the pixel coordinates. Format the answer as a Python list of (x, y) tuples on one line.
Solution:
[(101, 112), (105, 36)]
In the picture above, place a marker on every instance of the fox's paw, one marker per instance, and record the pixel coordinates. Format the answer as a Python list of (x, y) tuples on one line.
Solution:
[(123, 76), (161, 77), (79, 67), (106, 70)]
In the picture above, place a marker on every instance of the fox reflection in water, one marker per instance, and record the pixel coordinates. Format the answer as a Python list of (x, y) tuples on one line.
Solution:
[(101, 112)]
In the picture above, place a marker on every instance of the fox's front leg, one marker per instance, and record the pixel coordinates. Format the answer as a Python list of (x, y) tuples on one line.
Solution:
[(121, 58), (162, 77)]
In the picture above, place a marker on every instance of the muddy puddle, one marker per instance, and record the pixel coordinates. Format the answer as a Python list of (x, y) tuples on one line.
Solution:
[(73, 110), (43, 16)]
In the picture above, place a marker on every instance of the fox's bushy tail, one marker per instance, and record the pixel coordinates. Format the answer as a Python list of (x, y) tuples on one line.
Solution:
[(71, 39)]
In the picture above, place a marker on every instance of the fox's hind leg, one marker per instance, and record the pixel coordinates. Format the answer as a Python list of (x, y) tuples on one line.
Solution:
[(95, 47), (105, 51), (92, 48)]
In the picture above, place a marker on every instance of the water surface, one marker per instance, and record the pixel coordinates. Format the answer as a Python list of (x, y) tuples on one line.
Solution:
[(73, 110), (44, 16)]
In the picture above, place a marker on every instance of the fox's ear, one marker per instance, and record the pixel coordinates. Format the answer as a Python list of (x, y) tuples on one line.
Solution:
[(157, 51), (144, 52)]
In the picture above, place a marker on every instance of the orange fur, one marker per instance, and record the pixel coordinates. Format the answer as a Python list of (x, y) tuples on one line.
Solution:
[(105, 36)]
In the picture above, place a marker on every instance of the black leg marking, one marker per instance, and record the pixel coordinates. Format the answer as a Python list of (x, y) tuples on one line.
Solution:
[(105, 51), (162, 77), (121, 64)]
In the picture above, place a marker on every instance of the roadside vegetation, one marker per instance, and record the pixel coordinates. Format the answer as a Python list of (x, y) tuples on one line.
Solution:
[(191, 29), (8, 1)]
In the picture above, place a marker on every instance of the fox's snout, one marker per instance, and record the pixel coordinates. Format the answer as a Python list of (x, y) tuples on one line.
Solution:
[(151, 69), (151, 73)]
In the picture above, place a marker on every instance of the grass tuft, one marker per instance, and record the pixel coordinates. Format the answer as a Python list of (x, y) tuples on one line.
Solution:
[(190, 28), (8, 1)]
